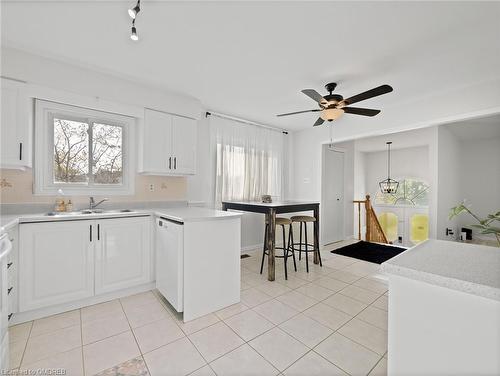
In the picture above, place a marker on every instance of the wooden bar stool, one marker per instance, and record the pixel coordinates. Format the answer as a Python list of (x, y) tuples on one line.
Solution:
[(305, 246), (287, 249)]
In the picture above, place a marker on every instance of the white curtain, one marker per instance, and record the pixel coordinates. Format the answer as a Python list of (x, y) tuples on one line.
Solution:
[(249, 160)]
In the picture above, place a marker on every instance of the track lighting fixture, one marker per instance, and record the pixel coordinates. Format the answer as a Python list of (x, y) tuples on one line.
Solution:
[(132, 12), (134, 36)]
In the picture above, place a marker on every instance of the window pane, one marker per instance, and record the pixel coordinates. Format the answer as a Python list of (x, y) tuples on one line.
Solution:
[(410, 192), (71, 154), (107, 154)]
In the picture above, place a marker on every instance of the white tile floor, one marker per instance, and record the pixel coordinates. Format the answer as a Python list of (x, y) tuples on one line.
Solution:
[(332, 321)]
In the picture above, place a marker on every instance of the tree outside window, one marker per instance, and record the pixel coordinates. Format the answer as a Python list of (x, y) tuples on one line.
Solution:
[(87, 152)]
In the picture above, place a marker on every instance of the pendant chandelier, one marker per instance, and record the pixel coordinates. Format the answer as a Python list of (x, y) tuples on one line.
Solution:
[(389, 185)]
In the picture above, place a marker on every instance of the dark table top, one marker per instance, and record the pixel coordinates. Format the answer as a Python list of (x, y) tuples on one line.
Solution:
[(285, 206)]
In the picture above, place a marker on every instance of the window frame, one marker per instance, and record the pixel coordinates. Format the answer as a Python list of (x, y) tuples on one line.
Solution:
[(45, 112)]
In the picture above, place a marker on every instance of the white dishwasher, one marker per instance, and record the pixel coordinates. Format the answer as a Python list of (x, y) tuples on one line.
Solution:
[(170, 261)]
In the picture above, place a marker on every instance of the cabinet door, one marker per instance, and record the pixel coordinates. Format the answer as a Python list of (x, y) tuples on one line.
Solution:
[(169, 261), (14, 126), (157, 145), (123, 253), (56, 263), (184, 143)]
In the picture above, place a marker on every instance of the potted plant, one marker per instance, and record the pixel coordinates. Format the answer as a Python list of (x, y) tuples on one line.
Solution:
[(486, 225)]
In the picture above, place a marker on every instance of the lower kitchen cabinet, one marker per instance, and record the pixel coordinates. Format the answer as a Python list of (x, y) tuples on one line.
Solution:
[(122, 253), (65, 261), (56, 263)]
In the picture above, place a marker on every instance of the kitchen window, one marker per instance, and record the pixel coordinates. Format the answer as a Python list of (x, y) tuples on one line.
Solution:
[(82, 151)]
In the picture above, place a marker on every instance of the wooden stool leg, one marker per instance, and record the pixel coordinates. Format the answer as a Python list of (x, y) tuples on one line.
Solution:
[(285, 251), (263, 251), (307, 247), (290, 246)]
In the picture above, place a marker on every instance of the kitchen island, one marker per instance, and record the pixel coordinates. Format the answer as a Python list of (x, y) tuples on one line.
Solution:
[(198, 259), (444, 310)]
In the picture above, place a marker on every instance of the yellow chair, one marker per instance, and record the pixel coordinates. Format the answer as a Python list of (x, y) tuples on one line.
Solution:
[(419, 228), (389, 224)]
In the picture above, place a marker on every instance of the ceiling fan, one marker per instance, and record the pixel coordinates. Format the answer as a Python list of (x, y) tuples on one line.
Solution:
[(333, 106)]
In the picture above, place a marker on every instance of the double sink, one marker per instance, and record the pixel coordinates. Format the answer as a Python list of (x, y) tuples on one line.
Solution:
[(89, 211)]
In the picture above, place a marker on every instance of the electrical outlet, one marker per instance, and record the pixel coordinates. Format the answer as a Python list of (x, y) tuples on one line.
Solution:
[(151, 187)]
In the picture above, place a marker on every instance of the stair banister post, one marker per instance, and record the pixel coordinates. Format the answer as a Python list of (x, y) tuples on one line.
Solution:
[(368, 208)]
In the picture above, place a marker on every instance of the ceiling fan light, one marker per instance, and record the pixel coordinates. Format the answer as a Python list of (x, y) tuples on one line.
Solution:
[(331, 113)]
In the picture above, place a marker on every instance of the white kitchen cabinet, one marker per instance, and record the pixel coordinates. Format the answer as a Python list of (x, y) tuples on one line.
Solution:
[(56, 263), (66, 261), (167, 144), (156, 142), (184, 131), (169, 261), (15, 152), (122, 253)]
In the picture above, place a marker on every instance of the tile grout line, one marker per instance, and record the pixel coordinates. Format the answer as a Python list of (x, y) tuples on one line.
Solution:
[(141, 355), (81, 341), (26, 344)]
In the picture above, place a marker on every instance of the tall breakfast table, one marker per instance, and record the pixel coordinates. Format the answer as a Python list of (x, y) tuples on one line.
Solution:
[(270, 210)]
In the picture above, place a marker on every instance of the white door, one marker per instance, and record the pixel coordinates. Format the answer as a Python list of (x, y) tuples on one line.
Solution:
[(15, 149), (122, 254), (169, 261), (56, 263), (332, 201), (157, 142), (184, 141)]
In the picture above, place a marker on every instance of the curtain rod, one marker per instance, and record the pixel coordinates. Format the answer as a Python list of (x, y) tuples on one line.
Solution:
[(245, 121)]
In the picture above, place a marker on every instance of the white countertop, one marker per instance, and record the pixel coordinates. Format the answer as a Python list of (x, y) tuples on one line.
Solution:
[(193, 214), (179, 214), (470, 268)]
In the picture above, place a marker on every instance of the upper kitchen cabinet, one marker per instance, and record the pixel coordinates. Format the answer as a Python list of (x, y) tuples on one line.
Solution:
[(168, 144), (15, 152)]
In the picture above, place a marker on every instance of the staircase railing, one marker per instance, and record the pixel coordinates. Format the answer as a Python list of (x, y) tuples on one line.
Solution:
[(374, 232)]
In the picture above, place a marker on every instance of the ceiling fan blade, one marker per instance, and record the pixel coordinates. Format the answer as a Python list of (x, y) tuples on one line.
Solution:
[(318, 122), (299, 112), (384, 89), (360, 111), (314, 95)]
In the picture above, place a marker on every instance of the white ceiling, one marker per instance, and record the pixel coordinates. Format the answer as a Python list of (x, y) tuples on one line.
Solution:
[(251, 59)]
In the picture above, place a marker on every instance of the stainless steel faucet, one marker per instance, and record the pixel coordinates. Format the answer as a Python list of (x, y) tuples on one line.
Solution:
[(93, 205)]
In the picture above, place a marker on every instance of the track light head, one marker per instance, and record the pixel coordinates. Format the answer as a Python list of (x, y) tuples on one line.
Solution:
[(134, 35), (133, 11)]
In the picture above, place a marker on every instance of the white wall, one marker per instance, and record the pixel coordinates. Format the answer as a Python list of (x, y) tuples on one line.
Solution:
[(79, 86), (479, 177), (405, 163), (448, 180)]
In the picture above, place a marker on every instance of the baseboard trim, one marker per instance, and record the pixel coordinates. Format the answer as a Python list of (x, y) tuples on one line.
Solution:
[(251, 247), (20, 317)]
